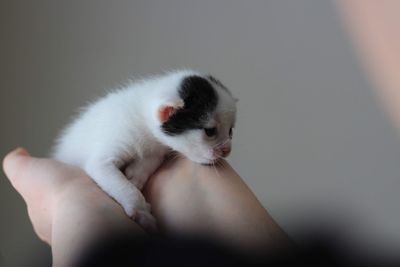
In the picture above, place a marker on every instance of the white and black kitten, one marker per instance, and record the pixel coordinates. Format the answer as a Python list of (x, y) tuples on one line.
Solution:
[(122, 138)]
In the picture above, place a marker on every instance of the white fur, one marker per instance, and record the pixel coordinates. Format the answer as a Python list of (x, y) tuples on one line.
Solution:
[(123, 129)]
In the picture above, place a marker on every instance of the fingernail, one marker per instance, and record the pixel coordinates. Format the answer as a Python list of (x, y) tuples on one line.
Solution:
[(21, 151)]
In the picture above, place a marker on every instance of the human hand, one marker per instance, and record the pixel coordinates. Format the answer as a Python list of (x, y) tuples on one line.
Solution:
[(67, 210)]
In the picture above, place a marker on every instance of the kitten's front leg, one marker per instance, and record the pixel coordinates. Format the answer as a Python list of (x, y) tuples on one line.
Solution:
[(109, 178), (139, 171)]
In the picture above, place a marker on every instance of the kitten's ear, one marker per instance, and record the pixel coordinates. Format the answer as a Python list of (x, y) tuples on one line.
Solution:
[(166, 110)]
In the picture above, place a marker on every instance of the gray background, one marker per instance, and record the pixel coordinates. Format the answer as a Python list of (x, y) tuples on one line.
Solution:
[(312, 140)]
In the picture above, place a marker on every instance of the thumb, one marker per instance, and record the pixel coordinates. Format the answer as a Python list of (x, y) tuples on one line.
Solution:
[(37, 177), (14, 164)]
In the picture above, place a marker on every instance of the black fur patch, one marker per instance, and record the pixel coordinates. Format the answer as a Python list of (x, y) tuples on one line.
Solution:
[(200, 100), (219, 83)]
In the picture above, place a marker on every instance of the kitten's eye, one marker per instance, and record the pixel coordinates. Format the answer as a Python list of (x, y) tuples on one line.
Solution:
[(210, 132), (230, 133)]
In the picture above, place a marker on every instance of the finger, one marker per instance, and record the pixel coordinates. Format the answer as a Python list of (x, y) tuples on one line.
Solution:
[(28, 175), (14, 165)]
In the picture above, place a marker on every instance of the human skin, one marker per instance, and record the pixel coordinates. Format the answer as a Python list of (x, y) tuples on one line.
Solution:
[(69, 211), (374, 26)]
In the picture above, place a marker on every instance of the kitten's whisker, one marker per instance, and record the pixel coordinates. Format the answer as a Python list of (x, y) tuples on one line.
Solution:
[(222, 143), (226, 141), (217, 145), (218, 163), (216, 170), (222, 163)]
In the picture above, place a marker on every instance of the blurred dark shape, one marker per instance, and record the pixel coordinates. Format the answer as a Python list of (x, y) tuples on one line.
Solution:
[(319, 249)]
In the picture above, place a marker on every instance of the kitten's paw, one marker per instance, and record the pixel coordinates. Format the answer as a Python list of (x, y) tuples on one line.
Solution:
[(132, 208), (145, 220), (140, 213), (134, 201)]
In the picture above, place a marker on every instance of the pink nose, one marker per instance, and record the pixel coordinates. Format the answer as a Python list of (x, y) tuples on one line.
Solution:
[(225, 150)]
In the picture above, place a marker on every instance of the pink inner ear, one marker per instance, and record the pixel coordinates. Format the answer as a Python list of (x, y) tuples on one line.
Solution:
[(165, 112)]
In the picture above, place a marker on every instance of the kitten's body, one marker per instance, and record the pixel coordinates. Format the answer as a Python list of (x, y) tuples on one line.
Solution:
[(122, 138)]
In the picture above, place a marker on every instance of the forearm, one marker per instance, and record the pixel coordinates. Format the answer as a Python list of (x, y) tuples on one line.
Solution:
[(375, 28), (70, 212), (214, 201), (81, 220)]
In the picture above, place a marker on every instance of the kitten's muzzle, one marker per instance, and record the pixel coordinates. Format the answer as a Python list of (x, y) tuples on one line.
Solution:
[(223, 151)]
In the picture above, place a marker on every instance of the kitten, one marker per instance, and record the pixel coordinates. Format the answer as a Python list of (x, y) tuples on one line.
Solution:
[(122, 138)]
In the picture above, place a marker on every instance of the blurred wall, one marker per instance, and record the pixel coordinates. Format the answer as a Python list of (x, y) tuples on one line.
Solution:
[(311, 139)]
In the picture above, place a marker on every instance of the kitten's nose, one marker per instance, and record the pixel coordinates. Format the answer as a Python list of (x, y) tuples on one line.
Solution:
[(225, 150)]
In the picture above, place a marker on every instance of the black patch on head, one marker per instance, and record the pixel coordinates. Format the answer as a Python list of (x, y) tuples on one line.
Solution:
[(200, 100), (219, 83)]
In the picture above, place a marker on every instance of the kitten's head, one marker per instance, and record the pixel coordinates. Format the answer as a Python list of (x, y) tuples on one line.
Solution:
[(199, 123)]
